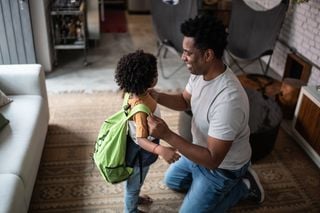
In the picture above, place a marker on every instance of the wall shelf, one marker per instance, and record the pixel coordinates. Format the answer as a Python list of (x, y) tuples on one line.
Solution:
[(306, 122), (69, 26)]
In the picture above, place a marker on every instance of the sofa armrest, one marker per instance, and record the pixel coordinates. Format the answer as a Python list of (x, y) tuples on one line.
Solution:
[(23, 79)]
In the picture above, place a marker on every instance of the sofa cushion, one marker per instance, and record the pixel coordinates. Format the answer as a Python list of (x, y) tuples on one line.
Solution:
[(4, 99), (23, 79), (22, 141), (10, 195)]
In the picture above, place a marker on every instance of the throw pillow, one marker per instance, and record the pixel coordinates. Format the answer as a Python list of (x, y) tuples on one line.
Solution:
[(3, 121), (4, 99)]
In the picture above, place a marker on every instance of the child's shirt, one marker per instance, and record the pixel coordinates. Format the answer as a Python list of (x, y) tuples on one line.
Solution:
[(138, 126)]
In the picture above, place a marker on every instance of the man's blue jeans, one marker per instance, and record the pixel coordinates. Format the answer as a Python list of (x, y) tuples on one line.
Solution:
[(207, 190)]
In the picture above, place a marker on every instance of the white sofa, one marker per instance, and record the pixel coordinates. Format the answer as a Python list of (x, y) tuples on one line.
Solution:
[(22, 140)]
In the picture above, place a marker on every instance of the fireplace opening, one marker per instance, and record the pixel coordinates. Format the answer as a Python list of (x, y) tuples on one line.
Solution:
[(296, 74), (297, 68)]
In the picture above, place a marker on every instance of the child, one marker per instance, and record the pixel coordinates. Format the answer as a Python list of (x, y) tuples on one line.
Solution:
[(135, 74)]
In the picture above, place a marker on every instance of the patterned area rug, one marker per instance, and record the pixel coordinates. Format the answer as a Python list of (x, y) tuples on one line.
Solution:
[(69, 182)]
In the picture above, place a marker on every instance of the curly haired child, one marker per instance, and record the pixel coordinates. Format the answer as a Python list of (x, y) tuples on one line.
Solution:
[(135, 73)]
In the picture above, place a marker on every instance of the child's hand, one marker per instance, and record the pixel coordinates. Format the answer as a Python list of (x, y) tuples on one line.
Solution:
[(169, 154)]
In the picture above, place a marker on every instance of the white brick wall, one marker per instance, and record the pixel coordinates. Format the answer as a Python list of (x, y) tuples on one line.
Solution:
[(301, 31)]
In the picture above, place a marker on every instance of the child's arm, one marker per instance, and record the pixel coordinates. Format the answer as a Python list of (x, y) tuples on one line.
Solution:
[(169, 154)]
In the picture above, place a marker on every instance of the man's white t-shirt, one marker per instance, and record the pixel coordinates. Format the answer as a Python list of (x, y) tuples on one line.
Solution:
[(220, 109)]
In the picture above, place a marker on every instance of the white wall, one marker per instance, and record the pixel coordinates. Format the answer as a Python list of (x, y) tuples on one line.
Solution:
[(300, 31), (41, 30)]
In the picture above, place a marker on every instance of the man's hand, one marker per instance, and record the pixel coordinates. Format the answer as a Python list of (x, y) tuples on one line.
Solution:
[(157, 127)]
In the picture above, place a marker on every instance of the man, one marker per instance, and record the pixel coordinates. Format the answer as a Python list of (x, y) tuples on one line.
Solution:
[(214, 169)]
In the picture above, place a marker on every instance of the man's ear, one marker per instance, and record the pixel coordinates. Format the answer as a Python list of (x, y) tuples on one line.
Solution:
[(209, 55)]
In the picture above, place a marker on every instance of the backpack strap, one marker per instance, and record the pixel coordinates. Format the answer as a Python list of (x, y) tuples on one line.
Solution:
[(134, 110), (140, 163), (139, 108), (125, 101)]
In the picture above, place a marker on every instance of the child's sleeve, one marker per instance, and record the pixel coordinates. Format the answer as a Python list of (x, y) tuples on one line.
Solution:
[(141, 125)]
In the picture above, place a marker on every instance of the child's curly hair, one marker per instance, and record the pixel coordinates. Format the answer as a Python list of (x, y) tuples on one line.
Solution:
[(136, 72)]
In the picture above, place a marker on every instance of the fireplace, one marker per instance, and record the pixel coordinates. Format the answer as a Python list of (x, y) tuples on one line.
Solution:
[(297, 68), (296, 75)]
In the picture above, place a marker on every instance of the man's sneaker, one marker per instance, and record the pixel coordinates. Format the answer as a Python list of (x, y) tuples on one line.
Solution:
[(256, 191)]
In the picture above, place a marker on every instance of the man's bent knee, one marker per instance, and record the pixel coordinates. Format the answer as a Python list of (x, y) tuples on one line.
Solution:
[(176, 184)]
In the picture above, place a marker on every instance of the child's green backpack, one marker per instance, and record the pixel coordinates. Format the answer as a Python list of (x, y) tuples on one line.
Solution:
[(110, 147)]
